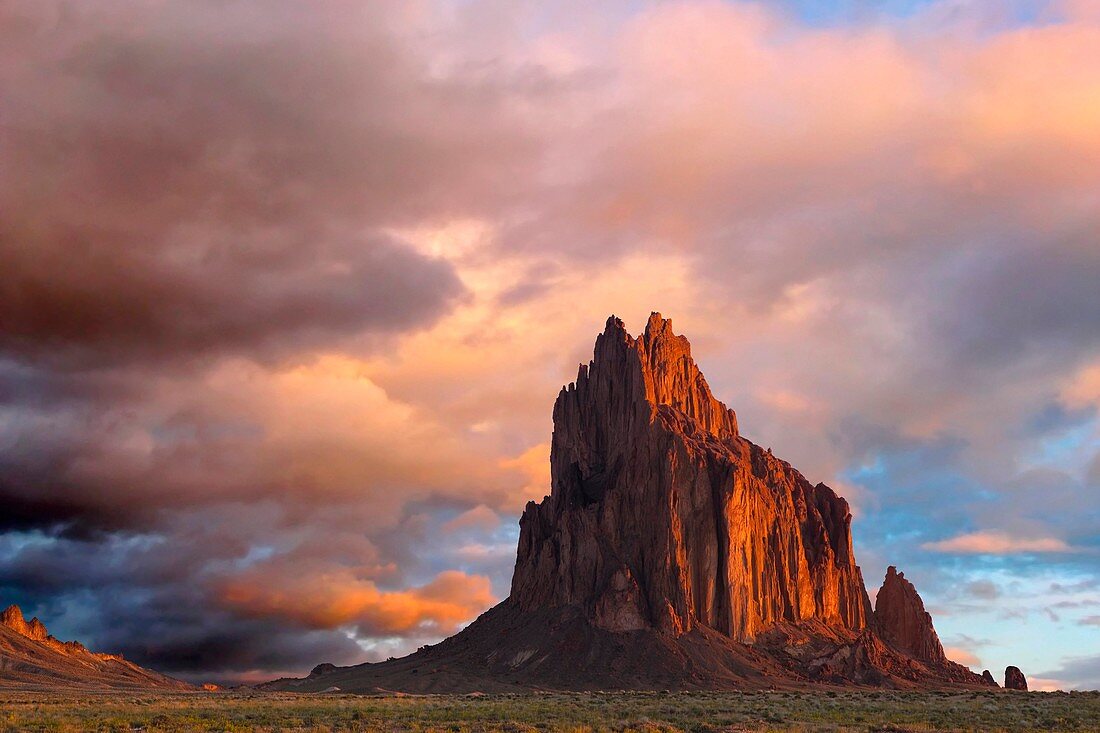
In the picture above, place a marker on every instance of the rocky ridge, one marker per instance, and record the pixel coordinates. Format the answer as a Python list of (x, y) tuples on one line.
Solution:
[(31, 658)]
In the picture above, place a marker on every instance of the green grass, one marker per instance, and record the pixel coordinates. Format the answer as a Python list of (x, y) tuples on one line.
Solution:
[(622, 712)]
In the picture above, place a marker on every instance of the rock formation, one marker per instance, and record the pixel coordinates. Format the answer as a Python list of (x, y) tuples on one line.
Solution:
[(902, 622), (672, 552), (12, 617), (661, 515), (987, 676), (1014, 679), (30, 658)]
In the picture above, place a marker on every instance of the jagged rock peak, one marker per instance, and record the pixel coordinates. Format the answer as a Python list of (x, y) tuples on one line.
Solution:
[(987, 677), (903, 623), (12, 617), (657, 367), (1014, 679), (660, 515)]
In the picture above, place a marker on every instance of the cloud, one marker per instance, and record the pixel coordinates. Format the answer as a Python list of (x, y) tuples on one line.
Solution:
[(330, 599), (983, 589), (480, 517), (174, 200), (1076, 586), (1084, 388), (963, 657), (321, 430), (1090, 621), (1078, 673), (996, 543)]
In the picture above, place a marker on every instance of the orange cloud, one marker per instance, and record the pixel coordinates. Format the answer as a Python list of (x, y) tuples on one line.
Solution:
[(962, 656), (534, 464), (996, 543), (480, 517), (337, 598), (1084, 388)]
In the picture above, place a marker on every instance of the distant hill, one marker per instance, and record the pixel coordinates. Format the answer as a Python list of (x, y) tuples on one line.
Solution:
[(32, 659)]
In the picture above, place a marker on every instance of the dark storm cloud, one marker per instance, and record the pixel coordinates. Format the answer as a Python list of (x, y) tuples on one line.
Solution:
[(214, 181), (203, 643), (156, 596), (94, 303), (182, 185)]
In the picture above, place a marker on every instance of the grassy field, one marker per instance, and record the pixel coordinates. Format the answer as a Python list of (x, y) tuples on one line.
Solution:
[(582, 712)]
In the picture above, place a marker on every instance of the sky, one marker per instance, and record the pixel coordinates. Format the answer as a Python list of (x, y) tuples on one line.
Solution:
[(289, 290)]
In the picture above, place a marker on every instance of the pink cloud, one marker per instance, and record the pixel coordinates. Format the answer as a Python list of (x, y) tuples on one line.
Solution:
[(996, 543), (963, 657)]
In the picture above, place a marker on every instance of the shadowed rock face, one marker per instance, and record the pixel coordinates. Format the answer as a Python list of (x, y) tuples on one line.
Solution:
[(901, 620), (661, 515), (1014, 679), (987, 677)]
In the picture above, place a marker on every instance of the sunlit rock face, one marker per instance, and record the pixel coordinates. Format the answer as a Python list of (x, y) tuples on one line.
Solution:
[(662, 516), (902, 622), (12, 618)]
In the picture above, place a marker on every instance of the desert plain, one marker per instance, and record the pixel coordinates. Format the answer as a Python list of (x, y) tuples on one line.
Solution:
[(588, 712)]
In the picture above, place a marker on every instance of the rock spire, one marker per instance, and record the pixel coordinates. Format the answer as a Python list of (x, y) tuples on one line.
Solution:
[(1014, 679), (661, 515), (902, 622)]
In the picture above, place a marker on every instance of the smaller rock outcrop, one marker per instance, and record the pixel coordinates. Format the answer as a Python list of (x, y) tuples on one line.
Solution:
[(12, 617), (323, 668), (987, 677), (1014, 679), (902, 622)]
